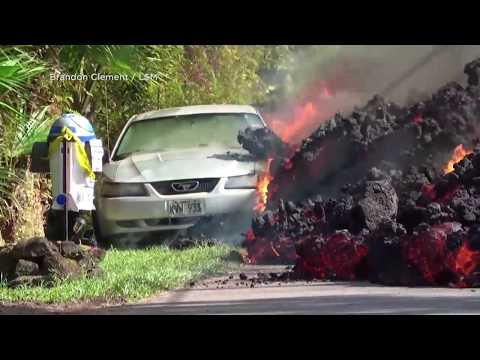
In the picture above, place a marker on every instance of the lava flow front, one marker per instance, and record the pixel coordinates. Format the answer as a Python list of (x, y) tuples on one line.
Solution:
[(367, 195)]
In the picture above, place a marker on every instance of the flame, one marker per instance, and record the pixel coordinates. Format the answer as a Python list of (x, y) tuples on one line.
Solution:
[(302, 118), (304, 114), (262, 188), (458, 154)]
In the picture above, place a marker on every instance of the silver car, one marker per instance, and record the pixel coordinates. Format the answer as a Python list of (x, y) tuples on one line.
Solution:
[(174, 168)]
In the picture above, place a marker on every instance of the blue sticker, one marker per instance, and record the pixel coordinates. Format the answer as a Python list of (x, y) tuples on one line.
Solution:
[(61, 199)]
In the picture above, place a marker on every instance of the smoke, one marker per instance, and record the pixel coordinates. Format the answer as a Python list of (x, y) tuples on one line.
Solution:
[(397, 72), (224, 229), (352, 74)]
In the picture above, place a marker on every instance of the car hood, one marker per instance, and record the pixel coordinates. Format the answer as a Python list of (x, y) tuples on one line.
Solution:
[(185, 164)]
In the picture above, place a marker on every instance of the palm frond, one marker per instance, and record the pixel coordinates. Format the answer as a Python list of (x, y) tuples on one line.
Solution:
[(16, 69), (30, 129), (5, 106)]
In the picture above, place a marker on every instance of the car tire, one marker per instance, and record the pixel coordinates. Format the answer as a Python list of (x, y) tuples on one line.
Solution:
[(102, 241)]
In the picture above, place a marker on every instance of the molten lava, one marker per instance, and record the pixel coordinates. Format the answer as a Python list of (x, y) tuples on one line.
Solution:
[(263, 251), (458, 154), (335, 257), (427, 252), (262, 188), (338, 211), (465, 260)]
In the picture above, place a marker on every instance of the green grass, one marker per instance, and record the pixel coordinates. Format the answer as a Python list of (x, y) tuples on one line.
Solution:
[(129, 275)]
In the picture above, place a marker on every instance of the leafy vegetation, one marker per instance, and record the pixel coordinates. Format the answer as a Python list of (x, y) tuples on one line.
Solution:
[(20, 125), (158, 76), (153, 76)]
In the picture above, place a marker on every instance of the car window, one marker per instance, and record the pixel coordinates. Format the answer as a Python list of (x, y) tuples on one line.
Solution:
[(184, 132)]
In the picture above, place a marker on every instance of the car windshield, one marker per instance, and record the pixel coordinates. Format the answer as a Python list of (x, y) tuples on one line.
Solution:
[(184, 132)]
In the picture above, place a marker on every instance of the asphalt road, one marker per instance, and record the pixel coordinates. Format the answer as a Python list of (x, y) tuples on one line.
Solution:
[(229, 296)]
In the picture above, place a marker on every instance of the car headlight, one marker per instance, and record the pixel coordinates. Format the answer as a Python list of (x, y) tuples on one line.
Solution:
[(242, 182), (122, 189)]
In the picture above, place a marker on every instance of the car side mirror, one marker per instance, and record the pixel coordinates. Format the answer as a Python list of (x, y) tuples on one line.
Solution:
[(40, 163)]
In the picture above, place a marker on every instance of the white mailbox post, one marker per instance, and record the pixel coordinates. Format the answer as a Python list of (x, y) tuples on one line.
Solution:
[(74, 158)]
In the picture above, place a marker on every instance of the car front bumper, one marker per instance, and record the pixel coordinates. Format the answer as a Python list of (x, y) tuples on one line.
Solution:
[(127, 215)]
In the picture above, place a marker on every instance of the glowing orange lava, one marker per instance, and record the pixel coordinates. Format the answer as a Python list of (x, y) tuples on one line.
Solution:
[(262, 188), (273, 249), (466, 260), (458, 154)]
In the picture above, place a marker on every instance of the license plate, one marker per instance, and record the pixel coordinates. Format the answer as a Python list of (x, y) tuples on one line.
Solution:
[(179, 208)]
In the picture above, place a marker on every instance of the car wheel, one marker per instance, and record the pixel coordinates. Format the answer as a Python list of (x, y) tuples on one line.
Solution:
[(102, 241), (155, 238)]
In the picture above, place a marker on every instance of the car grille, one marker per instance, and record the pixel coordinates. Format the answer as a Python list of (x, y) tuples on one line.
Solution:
[(165, 187)]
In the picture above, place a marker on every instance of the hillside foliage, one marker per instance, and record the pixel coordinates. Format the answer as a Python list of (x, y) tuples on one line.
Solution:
[(33, 95)]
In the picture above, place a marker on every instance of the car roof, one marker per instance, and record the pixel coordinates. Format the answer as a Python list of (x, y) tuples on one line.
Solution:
[(195, 109)]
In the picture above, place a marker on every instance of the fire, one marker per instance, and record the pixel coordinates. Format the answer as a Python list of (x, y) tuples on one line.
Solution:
[(313, 106), (317, 102), (458, 154), (289, 131), (262, 188)]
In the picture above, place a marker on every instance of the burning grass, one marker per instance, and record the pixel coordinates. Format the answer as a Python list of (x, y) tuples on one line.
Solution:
[(129, 275)]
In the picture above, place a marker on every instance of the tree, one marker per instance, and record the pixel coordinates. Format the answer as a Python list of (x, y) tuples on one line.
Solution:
[(177, 75), (157, 76)]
